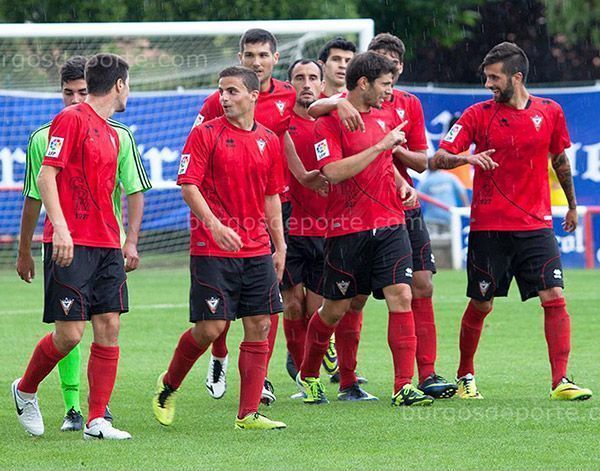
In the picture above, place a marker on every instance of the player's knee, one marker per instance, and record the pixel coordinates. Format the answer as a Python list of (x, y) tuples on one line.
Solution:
[(422, 286), (257, 327), (551, 294), (67, 341), (483, 306), (358, 303), (292, 308), (398, 297), (206, 332)]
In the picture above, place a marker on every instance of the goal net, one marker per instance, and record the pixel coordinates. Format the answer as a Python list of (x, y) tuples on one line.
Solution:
[(173, 68)]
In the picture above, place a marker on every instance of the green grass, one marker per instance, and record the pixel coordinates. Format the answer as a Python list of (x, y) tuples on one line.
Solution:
[(516, 426)]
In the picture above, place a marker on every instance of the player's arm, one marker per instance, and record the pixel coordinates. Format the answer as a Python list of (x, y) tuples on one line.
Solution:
[(275, 225), (562, 167), (349, 116), (408, 194), (413, 159), (443, 159), (313, 179), (135, 211), (62, 244), (343, 169), (29, 217)]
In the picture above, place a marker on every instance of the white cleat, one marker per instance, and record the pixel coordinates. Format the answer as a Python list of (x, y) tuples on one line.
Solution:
[(267, 396), (102, 429), (28, 411), (216, 383)]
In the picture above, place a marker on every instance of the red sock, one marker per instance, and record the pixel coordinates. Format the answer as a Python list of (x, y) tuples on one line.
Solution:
[(219, 346), (295, 336), (403, 344), (347, 337), (317, 341), (102, 372), (272, 336), (44, 358), (184, 357), (253, 369), (470, 331), (426, 336), (557, 327)]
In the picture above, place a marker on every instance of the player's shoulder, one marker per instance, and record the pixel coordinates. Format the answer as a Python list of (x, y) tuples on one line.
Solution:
[(264, 132), (481, 108), (545, 103), (403, 96), (41, 133), (283, 87), (122, 130)]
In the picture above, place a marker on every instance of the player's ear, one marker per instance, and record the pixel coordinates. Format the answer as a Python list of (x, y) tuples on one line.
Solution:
[(363, 83), (276, 57), (401, 68), (240, 57)]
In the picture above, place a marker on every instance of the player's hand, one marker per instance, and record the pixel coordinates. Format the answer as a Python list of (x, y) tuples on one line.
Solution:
[(25, 266), (62, 246), (279, 263), (316, 181), (408, 195), (349, 116), (483, 160), (131, 256), (569, 224), (226, 238), (394, 138)]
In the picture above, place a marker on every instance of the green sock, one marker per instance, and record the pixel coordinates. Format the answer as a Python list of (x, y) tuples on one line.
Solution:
[(69, 370)]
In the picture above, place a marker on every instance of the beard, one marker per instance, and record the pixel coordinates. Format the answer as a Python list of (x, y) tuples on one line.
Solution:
[(505, 95)]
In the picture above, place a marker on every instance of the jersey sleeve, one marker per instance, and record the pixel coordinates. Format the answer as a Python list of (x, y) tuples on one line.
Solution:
[(132, 174), (462, 134), (275, 180), (194, 158), (328, 145), (36, 148), (62, 139), (211, 109), (415, 137), (560, 138)]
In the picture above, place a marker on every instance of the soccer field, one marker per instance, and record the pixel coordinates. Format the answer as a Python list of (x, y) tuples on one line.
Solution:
[(515, 426)]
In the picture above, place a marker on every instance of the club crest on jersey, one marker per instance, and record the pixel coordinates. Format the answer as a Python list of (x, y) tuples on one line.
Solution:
[(401, 113), (343, 286), (537, 121), (322, 149), (483, 287), (212, 303), (261, 145), (54, 147), (66, 304), (198, 121), (183, 164), (280, 106), (381, 124), (454, 131)]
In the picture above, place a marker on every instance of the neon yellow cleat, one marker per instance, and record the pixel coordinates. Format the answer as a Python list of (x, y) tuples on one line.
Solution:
[(163, 403), (567, 390), (411, 396), (257, 421), (467, 389), (313, 389)]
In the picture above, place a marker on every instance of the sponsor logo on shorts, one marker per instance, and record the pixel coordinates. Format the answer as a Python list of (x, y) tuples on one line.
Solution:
[(212, 303), (408, 272), (483, 287), (381, 124), (183, 164), (557, 274), (343, 286), (432, 258), (537, 121), (198, 121), (322, 149), (280, 298), (54, 147), (66, 304), (261, 145), (280, 106), (454, 131)]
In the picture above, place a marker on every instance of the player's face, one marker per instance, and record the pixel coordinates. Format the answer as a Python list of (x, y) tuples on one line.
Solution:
[(122, 94), (393, 56), (498, 82), (335, 66), (235, 98), (74, 91), (379, 90), (306, 79), (258, 57)]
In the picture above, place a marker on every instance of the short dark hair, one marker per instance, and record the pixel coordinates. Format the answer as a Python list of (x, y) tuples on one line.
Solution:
[(304, 62), (389, 43), (513, 59), (335, 43), (72, 69), (258, 36), (102, 72), (248, 76), (367, 64)]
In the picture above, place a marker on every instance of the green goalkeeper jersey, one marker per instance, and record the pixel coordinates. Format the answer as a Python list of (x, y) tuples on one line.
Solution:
[(131, 174)]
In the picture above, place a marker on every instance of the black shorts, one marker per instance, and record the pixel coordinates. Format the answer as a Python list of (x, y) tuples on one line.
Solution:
[(225, 288), (304, 263), (494, 257), (94, 283), (286, 213), (420, 243), (366, 262)]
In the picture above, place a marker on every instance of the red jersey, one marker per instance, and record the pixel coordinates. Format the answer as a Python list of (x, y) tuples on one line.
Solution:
[(407, 107), (273, 110), (308, 207), (368, 200), (85, 147), (515, 196), (234, 170)]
